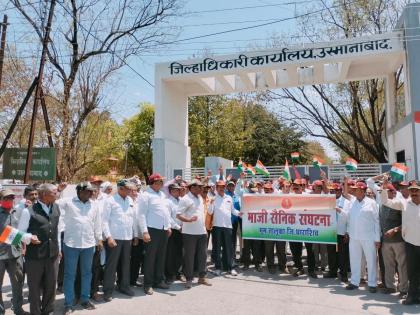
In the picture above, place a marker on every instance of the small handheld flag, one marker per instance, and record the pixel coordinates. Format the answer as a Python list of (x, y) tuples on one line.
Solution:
[(241, 166), (295, 157), (261, 169), (250, 170), (351, 164), (398, 172), (286, 172), (13, 236), (317, 162)]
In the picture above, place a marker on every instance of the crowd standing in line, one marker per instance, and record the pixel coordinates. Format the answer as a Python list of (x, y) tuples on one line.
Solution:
[(106, 238)]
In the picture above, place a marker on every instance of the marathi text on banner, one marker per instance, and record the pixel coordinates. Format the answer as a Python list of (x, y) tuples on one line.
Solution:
[(299, 218)]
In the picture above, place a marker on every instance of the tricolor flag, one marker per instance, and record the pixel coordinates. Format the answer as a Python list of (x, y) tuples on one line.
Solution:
[(241, 166), (351, 164), (12, 236), (295, 157), (250, 170), (398, 172), (286, 172), (261, 169), (317, 162)]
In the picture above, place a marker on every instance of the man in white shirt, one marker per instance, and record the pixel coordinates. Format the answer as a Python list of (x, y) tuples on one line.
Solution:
[(81, 220), (174, 251), (194, 234), (411, 235), (119, 230), (341, 261), (364, 232), (155, 224), (221, 207)]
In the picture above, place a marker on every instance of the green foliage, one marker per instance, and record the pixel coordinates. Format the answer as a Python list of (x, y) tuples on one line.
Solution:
[(233, 129), (139, 132)]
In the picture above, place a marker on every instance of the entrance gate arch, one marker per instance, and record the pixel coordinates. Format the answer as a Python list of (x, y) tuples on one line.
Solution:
[(362, 58)]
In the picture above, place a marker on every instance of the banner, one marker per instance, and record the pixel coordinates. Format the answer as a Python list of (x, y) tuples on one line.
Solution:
[(295, 218), (43, 163)]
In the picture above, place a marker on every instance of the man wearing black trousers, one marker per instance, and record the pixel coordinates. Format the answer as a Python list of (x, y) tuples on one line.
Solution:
[(155, 224), (42, 260), (118, 227), (174, 252)]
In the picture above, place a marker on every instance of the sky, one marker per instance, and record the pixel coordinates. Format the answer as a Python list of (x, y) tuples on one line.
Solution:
[(203, 17), (137, 90)]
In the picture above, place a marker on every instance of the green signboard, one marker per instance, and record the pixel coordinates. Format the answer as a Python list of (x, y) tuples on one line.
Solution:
[(43, 164)]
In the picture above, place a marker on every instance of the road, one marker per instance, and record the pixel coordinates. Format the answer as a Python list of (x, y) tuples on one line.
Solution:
[(248, 293)]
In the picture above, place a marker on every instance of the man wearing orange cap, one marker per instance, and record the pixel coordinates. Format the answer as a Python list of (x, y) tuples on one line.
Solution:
[(364, 232), (411, 235), (393, 246)]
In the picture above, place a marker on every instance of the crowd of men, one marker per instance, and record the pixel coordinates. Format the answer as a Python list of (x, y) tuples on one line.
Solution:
[(107, 238)]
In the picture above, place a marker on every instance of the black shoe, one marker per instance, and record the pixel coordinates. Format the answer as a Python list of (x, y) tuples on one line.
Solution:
[(313, 275), (351, 286), (373, 290), (410, 301), (68, 310), (88, 305), (148, 291), (298, 273), (127, 291), (344, 279), (107, 298), (161, 285), (258, 268), (402, 295), (329, 275)]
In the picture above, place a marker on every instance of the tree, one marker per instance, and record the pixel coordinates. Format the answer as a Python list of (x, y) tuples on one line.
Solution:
[(139, 131), (91, 40), (350, 115), (236, 128), (271, 141)]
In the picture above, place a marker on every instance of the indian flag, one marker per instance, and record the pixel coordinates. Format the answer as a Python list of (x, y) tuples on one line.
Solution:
[(12, 236), (398, 172), (351, 164), (261, 169), (295, 157), (317, 162), (250, 170), (286, 172), (241, 166)]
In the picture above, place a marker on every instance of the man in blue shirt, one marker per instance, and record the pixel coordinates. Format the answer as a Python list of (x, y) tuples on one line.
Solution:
[(236, 220)]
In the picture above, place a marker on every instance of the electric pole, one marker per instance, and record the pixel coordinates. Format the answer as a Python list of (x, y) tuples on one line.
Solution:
[(2, 45), (38, 91)]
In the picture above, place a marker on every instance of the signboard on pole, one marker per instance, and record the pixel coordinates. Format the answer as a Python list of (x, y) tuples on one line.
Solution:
[(43, 166), (295, 218)]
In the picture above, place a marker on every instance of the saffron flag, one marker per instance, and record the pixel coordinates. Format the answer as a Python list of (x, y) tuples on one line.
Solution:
[(398, 172), (241, 166), (12, 236), (295, 157), (351, 164), (250, 170), (317, 162), (261, 169), (286, 172)]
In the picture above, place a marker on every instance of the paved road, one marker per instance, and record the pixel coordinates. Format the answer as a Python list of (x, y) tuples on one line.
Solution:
[(249, 293)]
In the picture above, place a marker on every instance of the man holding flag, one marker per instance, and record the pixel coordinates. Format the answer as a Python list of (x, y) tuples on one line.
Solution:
[(11, 251)]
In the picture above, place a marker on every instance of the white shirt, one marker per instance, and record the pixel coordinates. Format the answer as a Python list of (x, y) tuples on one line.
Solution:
[(363, 220), (188, 207), (153, 211), (173, 208), (344, 205), (81, 222), (222, 209), (118, 218), (411, 223)]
